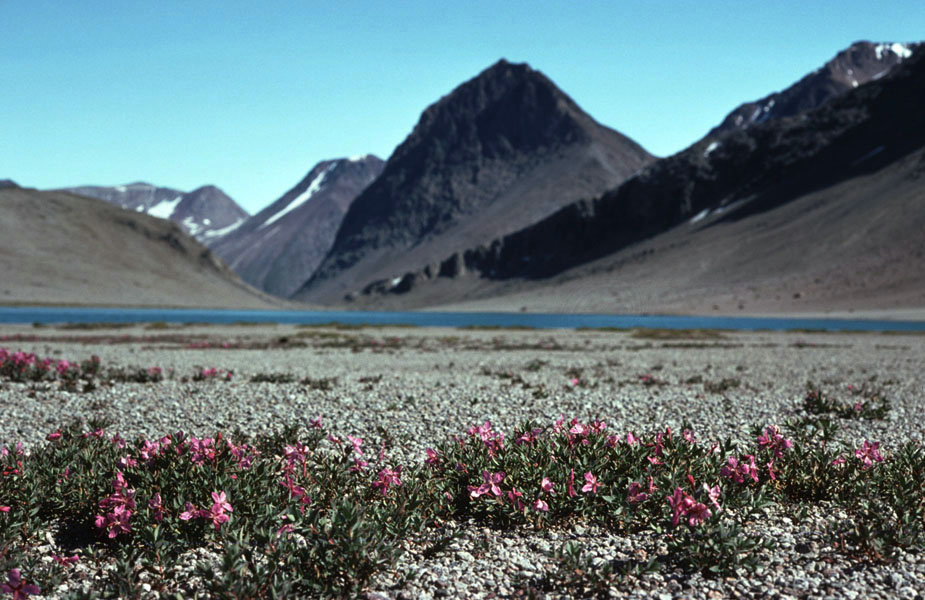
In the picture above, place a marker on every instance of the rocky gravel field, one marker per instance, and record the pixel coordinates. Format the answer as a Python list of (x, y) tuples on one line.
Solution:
[(416, 387)]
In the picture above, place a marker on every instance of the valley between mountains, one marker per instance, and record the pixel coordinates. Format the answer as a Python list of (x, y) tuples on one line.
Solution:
[(506, 195)]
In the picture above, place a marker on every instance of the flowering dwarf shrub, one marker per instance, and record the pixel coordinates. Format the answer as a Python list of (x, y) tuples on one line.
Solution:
[(213, 373), (323, 513), (871, 406), (313, 513)]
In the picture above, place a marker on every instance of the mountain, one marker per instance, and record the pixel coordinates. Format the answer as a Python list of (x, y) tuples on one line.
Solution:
[(57, 247), (204, 211), (281, 246), (856, 65), (498, 153), (828, 203)]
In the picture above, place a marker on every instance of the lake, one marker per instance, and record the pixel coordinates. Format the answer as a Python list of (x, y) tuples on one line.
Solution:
[(50, 315)]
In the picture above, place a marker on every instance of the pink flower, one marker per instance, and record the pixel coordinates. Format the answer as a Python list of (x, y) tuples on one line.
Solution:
[(684, 505), (539, 505), (868, 454), (713, 493), (115, 522), (297, 492), (490, 484), (678, 502), (774, 441), (697, 513), (547, 485), (221, 502), (295, 453), (388, 477), (738, 471), (635, 493), (219, 507), (558, 425), (202, 450), (528, 437), (356, 442), (514, 496), (592, 483), (65, 560), (191, 512), (771, 473), (14, 585), (157, 505)]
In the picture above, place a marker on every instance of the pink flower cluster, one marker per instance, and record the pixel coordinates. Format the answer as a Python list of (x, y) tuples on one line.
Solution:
[(685, 506), (774, 441), (388, 477), (868, 454), (218, 514), (636, 493), (213, 373), (492, 439), (117, 508), (739, 470)]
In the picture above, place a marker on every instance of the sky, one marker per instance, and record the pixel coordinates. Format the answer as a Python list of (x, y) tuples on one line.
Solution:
[(249, 95)]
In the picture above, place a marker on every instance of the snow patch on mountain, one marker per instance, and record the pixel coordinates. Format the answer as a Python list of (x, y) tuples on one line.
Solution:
[(302, 198), (165, 208), (900, 50), (214, 233), (700, 216)]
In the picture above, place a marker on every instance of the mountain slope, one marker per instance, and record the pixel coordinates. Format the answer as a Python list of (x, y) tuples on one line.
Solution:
[(281, 246), (203, 211), (867, 144), (501, 151), (57, 247)]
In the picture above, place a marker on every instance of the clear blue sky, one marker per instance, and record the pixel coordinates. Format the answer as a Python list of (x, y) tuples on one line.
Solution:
[(250, 95)]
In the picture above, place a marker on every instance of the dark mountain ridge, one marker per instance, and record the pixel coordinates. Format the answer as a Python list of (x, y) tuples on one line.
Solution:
[(856, 65), (740, 173), (501, 151)]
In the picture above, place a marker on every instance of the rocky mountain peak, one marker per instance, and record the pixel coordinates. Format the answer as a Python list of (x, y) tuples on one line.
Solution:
[(500, 151)]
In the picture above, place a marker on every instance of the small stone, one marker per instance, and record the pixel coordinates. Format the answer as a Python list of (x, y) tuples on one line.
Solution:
[(908, 593)]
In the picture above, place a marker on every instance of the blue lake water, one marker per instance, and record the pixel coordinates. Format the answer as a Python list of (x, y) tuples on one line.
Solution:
[(50, 315)]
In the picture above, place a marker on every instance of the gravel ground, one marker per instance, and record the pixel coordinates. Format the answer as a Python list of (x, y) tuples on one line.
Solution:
[(426, 384)]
